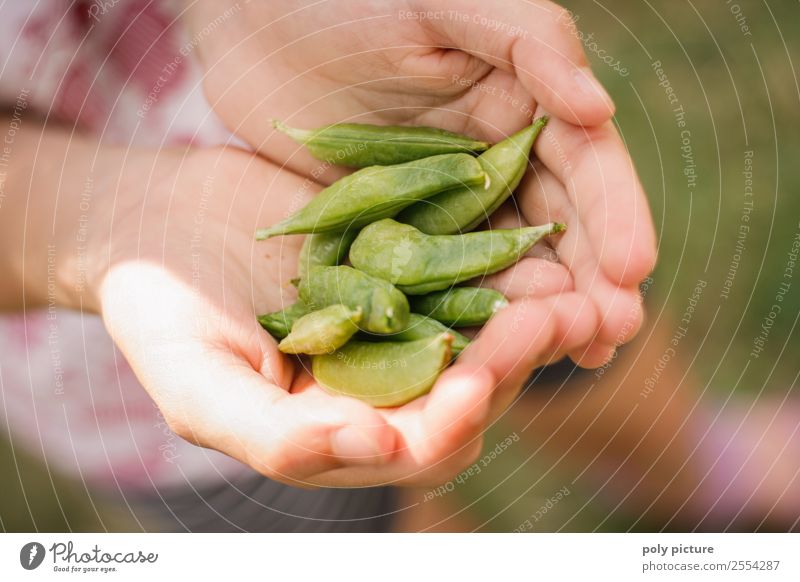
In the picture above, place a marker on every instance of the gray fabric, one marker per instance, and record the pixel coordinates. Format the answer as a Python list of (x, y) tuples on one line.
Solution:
[(255, 504)]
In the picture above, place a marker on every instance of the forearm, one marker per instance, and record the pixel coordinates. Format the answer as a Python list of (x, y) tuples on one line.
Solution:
[(50, 179)]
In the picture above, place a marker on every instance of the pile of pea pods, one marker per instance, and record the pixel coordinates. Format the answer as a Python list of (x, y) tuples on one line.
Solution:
[(389, 247)]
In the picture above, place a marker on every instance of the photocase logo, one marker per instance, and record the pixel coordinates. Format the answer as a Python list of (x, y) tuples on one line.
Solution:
[(31, 555)]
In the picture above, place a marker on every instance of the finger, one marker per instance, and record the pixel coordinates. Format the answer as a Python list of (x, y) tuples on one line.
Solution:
[(576, 321), (262, 353), (438, 434), (542, 198), (569, 320), (620, 312), (528, 278), (593, 355), (407, 473), (512, 343), (450, 417), (539, 44), (602, 187)]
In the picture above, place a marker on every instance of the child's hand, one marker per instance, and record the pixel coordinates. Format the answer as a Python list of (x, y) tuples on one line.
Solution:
[(477, 67), (472, 66), (182, 281)]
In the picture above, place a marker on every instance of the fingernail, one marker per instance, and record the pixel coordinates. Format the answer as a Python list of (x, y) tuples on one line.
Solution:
[(354, 445), (588, 84)]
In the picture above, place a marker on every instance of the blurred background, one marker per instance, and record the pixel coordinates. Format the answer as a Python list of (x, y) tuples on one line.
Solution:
[(696, 424)]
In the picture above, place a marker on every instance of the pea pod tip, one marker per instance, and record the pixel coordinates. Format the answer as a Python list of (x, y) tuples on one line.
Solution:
[(280, 126), (299, 135), (271, 231), (265, 233)]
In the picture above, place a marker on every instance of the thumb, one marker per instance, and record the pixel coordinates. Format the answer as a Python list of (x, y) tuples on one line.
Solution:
[(537, 41)]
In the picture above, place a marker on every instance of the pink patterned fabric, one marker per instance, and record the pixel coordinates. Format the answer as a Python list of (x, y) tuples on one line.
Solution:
[(123, 69)]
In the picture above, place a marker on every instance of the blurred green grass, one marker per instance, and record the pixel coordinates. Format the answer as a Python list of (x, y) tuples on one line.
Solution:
[(740, 93), (36, 500)]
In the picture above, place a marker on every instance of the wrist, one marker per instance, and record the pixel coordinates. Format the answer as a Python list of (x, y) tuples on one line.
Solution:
[(51, 219)]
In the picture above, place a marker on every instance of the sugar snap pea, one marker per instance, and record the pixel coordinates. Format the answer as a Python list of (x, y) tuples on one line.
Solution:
[(324, 249), (360, 145), (279, 323), (378, 192), (419, 327), (322, 332), (460, 306), (385, 308), (419, 263), (462, 209), (385, 373)]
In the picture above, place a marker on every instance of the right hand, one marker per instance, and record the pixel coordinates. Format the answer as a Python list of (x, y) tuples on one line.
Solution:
[(480, 68)]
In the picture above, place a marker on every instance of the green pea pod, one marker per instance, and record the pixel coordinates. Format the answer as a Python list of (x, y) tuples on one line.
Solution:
[(324, 249), (462, 209), (279, 323), (386, 373), (359, 145), (419, 263), (420, 327), (322, 332), (460, 306), (385, 309), (378, 192)]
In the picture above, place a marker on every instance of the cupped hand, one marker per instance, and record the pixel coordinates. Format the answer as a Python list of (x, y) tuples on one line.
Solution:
[(481, 68), (467, 65), (181, 282)]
